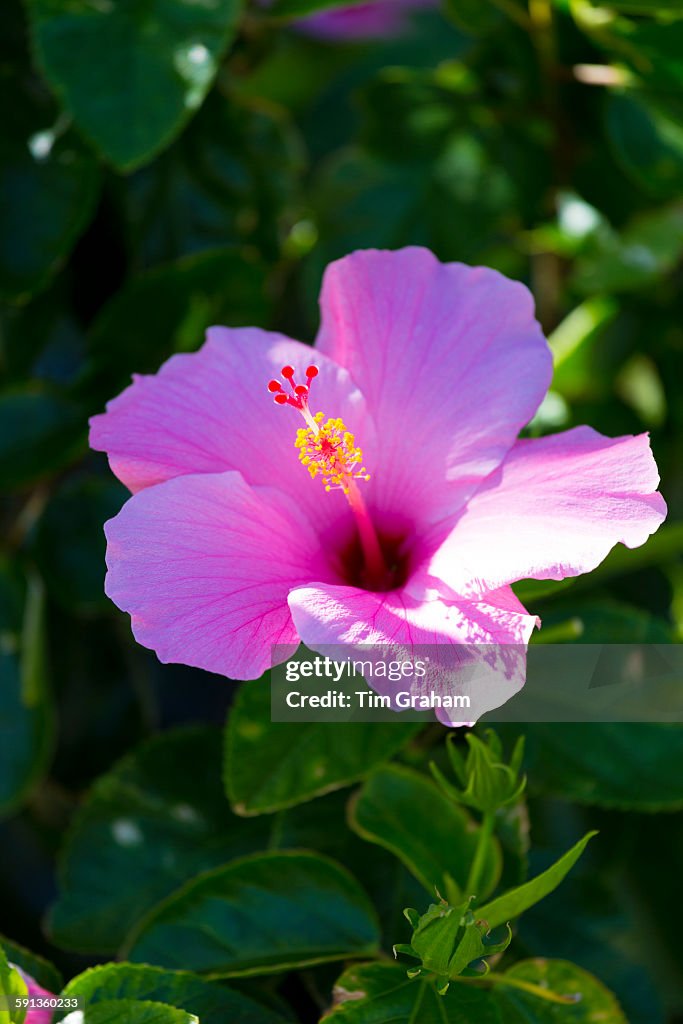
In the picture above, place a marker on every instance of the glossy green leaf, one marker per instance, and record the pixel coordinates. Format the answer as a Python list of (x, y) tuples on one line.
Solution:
[(379, 993), (70, 546), (514, 902), (406, 813), (631, 766), (26, 713), (145, 828), (271, 765), (264, 913), (131, 75), (40, 433), (211, 1003), (127, 1011), (588, 1000)]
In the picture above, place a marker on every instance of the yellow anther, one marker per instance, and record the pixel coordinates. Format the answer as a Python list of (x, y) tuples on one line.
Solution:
[(331, 450)]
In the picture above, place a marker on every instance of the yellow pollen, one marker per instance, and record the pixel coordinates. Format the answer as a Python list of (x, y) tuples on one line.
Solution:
[(331, 452)]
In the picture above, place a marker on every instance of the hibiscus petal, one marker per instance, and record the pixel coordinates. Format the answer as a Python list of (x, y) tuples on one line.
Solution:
[(451, 363), (204, 565), (476, 648), (555, 508), (209, 411)]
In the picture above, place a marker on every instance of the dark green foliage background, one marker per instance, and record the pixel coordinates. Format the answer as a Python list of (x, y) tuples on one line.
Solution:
[(169, 165)]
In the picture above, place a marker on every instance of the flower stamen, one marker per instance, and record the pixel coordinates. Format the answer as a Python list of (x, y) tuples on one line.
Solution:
[(327, 449)]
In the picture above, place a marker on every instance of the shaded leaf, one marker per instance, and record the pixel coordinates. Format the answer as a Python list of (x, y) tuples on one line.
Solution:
[(271, 765), (40, 433), (589, 1000), (47, 976), (168, 309), (378, 993), (436, 839), (211, 1003), (131, 75), (145, 828), (70, 545), (127, 1011), (632, 766), (264, 913)]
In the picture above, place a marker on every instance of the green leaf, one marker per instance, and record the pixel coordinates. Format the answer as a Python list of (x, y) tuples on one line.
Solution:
[(408, 814), (602, 928), (211, 1003), (167, 310), (589, 1000), (145, 828), (513, 903), (264, 913), (69, 546), (131, 74), (379, 993), (271, 765), (630, 766), (40, 433), (47, 976), (128, 1011), (26, 713), (12, 986)]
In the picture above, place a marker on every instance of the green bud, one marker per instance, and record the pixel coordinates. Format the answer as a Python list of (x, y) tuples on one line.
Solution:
[(448, 941), (486, 782)]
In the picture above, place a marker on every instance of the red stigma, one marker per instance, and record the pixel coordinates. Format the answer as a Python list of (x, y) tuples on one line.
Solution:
[(299, 392)]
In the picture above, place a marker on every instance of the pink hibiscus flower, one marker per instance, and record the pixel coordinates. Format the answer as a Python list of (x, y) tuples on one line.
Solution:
[(229, 547)]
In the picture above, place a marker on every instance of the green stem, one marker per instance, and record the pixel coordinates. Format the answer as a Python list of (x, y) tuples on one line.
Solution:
[(479, 860)]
